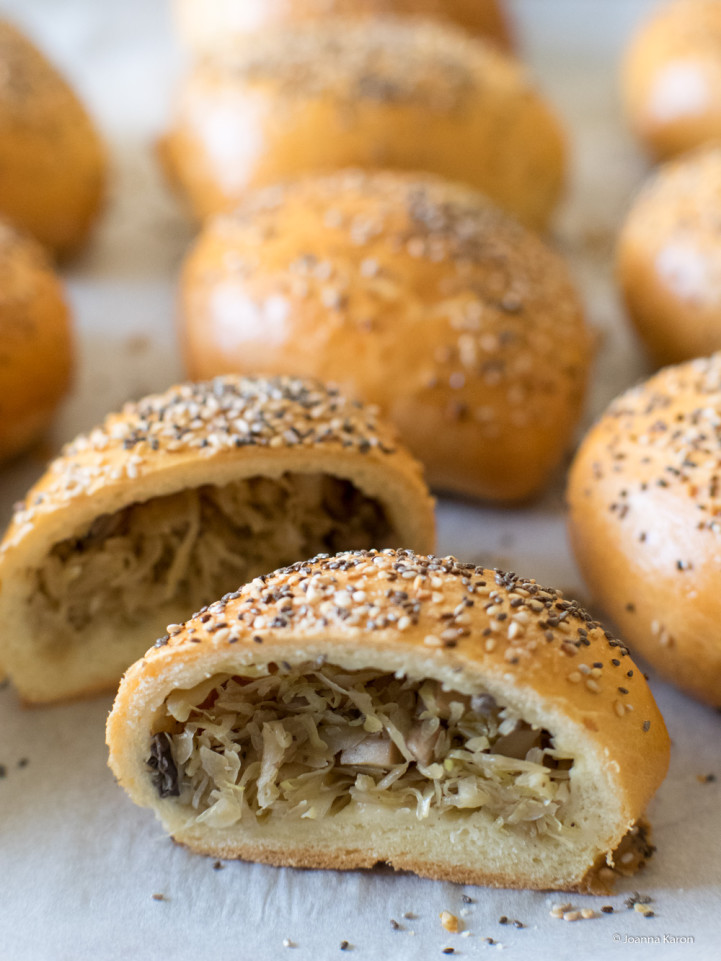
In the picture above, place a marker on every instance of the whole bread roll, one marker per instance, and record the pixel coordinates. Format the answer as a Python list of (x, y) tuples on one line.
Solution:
[(414, 294), (179, 498), (669, 258), (36, 346), (644, 505), (52, 163), (672, 77), (398, 94), (461, 723), (205, 25)]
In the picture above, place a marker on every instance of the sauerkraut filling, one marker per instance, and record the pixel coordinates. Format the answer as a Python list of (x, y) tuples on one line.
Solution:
[(308, 741), (192, 547)]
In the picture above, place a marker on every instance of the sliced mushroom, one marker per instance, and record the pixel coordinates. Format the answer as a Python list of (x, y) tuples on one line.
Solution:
[(518, 743), (422, 742), (484, 704), (375, 751)]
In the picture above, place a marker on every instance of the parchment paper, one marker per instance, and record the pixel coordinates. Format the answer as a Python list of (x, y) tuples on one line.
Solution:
[(79, 864)]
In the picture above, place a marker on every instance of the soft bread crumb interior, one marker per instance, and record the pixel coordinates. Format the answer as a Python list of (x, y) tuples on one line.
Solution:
[(168, 556), (312, 741)]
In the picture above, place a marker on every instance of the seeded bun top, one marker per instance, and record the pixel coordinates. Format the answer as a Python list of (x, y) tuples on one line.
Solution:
[(267, 425), (413, 293), (52, 163), (383, 93), (645, 498), (669, 258), (204, 25), (36, 350), (672, 77), (531, 646)]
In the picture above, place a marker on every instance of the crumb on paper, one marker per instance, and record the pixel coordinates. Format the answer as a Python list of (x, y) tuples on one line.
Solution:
[(450, 922), (644, 910), (637, 898), (159, 897)]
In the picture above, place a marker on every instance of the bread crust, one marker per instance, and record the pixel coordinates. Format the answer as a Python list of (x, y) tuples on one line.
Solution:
[(461, 326), (643, 503), (192, 435), (35, 342), (671, 83), (205, 25), (533, 668), (669, 262), (52, 162), (393, 94)]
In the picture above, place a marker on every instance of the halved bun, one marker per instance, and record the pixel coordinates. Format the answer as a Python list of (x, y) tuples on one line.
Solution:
[(461, 723), (179, 498)]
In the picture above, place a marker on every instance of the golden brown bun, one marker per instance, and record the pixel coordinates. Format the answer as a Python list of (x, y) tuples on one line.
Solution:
[(179, 498), (52, 163), (36, 349), (669, 259), (205, 25), (672, 77), (389, 93), (415, 294), (482, 634), (644, 500)]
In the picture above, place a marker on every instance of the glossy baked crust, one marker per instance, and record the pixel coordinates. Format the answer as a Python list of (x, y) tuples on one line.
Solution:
[(644, 501), (396, 94), (669, 258), (414, 294), (464, 627), (106, 524), (205, 25), (671, 81), (36, 349), (52, 163)]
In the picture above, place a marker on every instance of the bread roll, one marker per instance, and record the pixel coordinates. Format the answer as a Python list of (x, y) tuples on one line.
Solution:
[(182, 497), (644, 504), (506, 739), (205, 25), (36, 349), (387, 93), (414, 294), (52, 163), (672, 77), (669, 259)]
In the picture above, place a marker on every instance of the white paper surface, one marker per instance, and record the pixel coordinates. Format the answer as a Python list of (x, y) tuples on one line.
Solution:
[(79, 864)]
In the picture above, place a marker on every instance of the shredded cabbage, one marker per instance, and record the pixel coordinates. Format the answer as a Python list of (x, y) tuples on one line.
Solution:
[(194, 546), (306, 742)]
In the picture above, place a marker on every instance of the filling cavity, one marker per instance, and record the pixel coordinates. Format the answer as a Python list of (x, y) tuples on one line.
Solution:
[(189, 548), (304, 742)]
